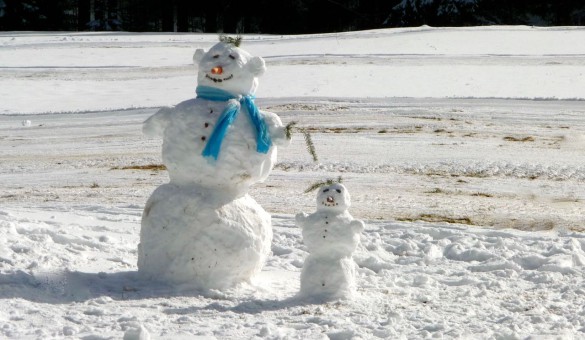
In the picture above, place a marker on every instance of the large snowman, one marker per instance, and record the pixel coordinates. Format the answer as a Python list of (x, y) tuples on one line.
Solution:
[(202, 229), (331, 235)]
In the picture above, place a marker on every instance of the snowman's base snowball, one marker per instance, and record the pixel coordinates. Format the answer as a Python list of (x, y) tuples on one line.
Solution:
[(324, 279), (202, 239)]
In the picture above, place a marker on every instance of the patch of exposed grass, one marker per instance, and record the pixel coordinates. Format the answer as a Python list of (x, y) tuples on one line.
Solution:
[(433, 218), (519, 139), (481, 194), (307, 107), (336, 129), (567, 200), (577, 229), (426, 117), (151, 167)]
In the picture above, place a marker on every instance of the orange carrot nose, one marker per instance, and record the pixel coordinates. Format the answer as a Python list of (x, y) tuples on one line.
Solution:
[(217, 70)]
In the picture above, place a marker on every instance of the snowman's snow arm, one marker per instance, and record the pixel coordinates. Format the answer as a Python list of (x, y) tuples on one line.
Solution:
[(301, 219), (157, 123), (276, 128), (357, 226), (256, 66)]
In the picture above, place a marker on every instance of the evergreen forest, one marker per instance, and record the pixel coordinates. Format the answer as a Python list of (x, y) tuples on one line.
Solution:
[(279, 16)]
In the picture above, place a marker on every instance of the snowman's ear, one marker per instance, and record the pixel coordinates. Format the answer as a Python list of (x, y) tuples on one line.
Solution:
[(256, 66), (198, 56)]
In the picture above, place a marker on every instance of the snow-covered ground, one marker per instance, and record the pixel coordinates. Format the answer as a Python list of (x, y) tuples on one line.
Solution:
[(463, 150)]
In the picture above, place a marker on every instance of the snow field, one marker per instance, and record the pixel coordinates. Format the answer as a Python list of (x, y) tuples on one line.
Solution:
[(507, 174), (415, 280), (88, 71)]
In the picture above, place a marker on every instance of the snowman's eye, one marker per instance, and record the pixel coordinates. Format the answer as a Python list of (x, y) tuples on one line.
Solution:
[(232, 57), (216, 56), (326, 190), (338, 190)]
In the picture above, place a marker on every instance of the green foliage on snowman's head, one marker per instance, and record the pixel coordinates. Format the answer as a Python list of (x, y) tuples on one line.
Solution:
[(231, 40), (319, 184)]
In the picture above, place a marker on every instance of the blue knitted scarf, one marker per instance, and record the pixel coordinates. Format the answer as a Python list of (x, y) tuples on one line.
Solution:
[(263, 141)]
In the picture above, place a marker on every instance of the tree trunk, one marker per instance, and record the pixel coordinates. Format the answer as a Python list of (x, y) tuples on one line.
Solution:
[(91, 10), (175, 18)]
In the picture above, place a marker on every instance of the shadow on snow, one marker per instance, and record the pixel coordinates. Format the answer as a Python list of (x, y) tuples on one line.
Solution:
[(71, 286)]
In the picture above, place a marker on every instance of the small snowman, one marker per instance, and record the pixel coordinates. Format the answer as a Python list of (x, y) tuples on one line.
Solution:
[(331, 235), (202, 229)]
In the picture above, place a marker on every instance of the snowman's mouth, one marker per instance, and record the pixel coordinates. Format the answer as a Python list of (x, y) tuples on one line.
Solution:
[(219, 80), (329, 202)]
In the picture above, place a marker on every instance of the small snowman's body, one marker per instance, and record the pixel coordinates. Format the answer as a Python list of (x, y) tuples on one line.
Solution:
[(202, 229), (331, 236)]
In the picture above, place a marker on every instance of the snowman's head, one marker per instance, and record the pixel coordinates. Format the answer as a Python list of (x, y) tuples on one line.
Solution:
[(228, 67), (334, 197)]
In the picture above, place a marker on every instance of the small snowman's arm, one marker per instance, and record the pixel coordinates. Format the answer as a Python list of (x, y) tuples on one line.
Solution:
[(301, 219), (276, 129), (357, 226), (157, 123)]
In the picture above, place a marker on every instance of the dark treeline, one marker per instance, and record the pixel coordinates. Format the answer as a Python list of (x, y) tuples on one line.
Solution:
[(284, 16)]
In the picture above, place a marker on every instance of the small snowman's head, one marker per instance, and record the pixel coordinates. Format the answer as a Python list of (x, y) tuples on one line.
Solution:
[(334, 197), (226, 66)]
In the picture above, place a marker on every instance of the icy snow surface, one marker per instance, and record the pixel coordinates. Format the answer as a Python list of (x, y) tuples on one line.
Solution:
[(473, 206)]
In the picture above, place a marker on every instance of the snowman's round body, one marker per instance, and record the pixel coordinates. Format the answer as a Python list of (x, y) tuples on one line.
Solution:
[(200, 239), (187, 129), (331, 235), (202, 229)]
